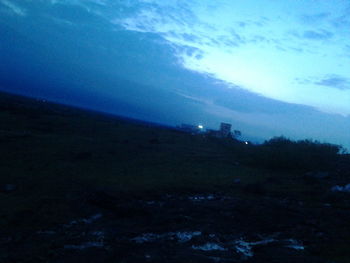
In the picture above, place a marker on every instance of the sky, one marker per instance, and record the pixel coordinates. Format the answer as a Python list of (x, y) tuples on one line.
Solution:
[(268, 67)]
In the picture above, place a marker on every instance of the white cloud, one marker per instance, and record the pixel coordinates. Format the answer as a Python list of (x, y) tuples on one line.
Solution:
[(251, 45), (14, 7), (262, 47)]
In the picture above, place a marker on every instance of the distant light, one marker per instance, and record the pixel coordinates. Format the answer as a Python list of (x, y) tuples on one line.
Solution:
[(246, 142), (200, 127)]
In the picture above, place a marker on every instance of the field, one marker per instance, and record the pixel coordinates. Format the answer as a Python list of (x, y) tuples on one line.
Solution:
[(77, 185)]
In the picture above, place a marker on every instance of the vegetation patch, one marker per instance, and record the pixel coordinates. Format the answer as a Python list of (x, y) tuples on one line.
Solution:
[(80, 185)]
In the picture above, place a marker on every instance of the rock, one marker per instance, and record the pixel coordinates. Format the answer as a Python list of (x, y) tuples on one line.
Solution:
[(180, 237), (85, 245), (8, 188), (338, 188), (209, 247)]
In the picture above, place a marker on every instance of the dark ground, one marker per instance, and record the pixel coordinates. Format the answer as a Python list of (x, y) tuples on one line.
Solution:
[(82, 186)]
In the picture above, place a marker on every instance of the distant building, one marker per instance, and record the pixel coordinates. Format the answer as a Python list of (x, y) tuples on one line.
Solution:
[(225, 129), (237, 133), (224, 132), (191, 128)]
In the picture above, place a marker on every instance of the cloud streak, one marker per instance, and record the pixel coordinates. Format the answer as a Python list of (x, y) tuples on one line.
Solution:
[(16, 9), (337, 82), (315, 18), (186, 61), (317, 35), (249, 47), (261, 48)]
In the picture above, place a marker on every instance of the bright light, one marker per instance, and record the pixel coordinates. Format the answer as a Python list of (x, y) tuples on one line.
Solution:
[(246, 142), (200, 127)]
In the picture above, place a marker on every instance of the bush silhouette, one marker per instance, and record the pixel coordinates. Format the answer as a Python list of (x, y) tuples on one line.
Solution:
[(283, 153)]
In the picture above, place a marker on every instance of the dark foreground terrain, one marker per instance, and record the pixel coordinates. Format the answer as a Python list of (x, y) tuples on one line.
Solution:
[(78, 186)]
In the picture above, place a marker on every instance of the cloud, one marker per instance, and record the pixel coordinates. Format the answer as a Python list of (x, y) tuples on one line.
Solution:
[(260, 22), (75, 2), (14, 7), (315, 18), (317, 35), (92, 55), (233, 44), (73, 14), (342, 21), (334, 81), (229, 41)]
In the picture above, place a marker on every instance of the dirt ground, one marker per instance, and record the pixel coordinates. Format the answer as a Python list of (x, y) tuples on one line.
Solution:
[(83, 186)]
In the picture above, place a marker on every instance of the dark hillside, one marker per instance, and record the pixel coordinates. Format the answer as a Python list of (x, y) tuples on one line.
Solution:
[(77, 185)]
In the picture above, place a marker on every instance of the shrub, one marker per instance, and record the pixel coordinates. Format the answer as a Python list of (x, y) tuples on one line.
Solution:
[(283, 153)]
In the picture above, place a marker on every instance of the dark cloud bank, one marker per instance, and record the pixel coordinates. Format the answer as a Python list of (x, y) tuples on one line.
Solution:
[(94, 64)]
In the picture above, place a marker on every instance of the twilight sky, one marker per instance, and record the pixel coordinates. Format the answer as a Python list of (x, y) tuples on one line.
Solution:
[(268, 67)]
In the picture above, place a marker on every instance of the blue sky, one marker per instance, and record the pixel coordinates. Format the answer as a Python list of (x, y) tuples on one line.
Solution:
[(268, 67)]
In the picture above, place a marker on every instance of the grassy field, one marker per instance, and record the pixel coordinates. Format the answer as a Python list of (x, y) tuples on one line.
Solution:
[(56, 157)]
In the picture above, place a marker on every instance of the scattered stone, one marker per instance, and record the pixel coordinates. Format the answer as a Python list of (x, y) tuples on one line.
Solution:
[(181, 237), (244, 248), (209, 247), (338, 188), (46, 232), (146, 238), (88, 220), (201, 198), (186, 236), (152, 203), (294, 244), (91, 219), (98, 233), (85, 246)]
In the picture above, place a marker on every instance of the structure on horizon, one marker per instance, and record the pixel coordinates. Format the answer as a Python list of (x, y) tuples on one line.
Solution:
[(191, 128), (225, 129), (224, 132)]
